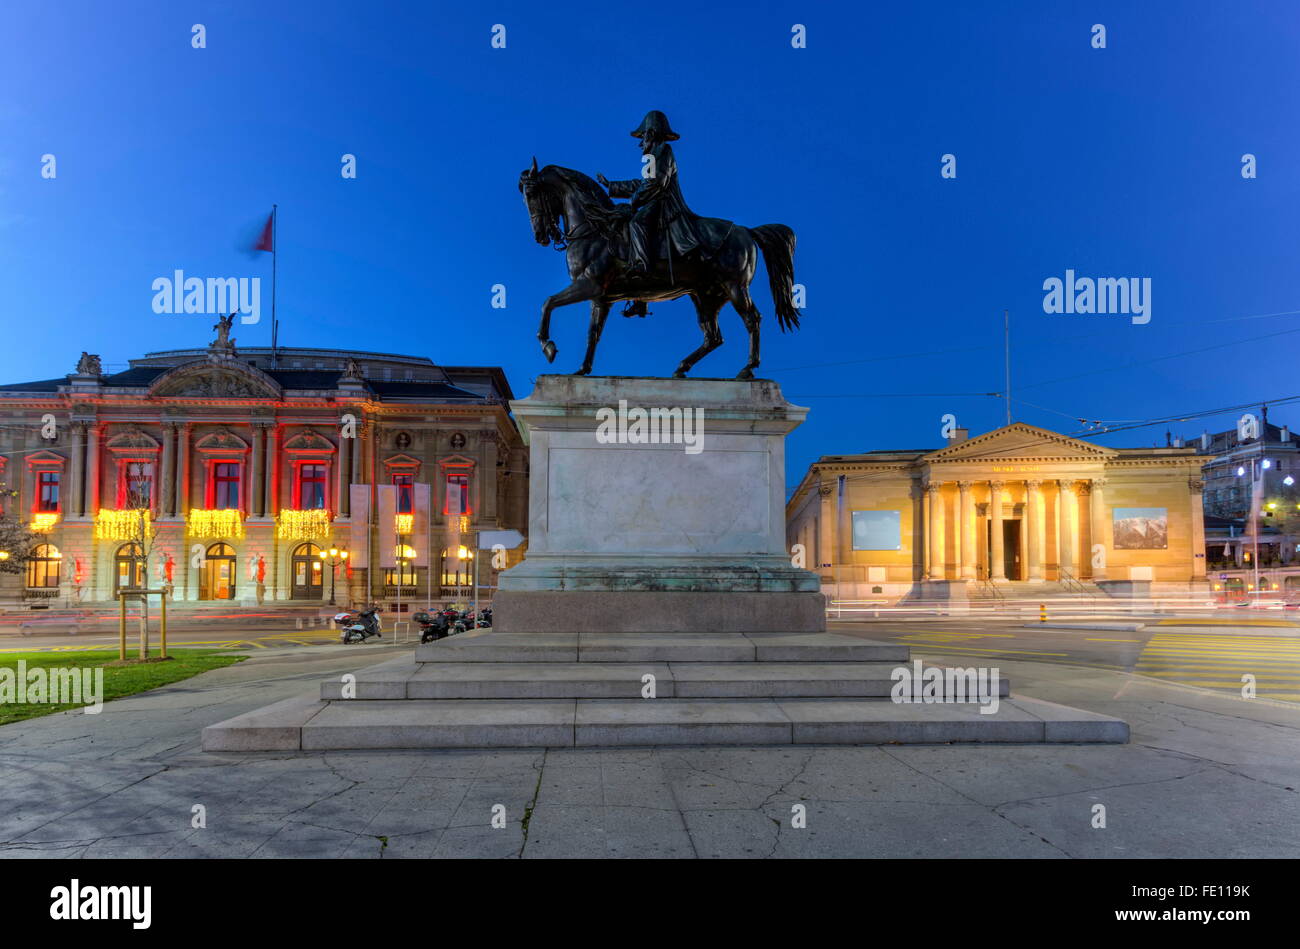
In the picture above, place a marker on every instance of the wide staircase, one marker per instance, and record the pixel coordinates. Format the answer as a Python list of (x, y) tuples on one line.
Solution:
[(490, 689)]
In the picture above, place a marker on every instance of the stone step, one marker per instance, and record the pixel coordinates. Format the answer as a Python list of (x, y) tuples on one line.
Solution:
[(429, 723), (591, 680), (491, 646)]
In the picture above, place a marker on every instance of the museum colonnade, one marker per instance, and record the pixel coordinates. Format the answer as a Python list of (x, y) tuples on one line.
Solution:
[(1014, 530)]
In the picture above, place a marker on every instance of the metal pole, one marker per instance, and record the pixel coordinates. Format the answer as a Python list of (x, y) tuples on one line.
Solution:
[(121, 628), (477, 552), (1006, 331), (162, 622)]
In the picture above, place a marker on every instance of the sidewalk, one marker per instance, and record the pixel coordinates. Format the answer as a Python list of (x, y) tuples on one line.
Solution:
[(1204, 776)]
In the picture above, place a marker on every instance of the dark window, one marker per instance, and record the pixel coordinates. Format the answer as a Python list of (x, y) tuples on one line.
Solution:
[(49, 491), (405, 493), (225, 481), (457, 494), (311, 487)]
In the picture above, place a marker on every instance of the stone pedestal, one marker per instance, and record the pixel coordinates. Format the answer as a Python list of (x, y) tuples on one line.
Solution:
[(657, 505)]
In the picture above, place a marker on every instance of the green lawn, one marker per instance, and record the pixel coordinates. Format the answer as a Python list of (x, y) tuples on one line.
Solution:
[(119, 681)]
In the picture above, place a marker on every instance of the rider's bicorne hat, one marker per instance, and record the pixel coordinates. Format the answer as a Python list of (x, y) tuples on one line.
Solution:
[(656, 121)]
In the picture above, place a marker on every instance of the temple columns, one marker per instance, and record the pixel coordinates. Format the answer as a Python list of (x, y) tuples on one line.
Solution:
[(1034, 534), (934, 514), (966, 530), (998, 568)]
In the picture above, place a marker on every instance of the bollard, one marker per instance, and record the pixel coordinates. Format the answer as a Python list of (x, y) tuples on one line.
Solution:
[(162, 620), (1042, 612), (121, 629)]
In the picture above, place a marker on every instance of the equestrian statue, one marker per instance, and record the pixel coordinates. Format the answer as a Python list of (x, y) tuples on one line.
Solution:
[(653, 248)]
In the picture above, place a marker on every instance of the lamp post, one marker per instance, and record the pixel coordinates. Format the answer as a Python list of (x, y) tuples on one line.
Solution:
[(333, 557)]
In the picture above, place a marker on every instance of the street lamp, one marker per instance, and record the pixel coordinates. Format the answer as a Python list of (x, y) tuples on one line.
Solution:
[(333, 557)]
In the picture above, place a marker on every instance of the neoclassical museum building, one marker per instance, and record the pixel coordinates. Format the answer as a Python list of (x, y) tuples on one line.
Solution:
[(227, 473), (1019, 508)]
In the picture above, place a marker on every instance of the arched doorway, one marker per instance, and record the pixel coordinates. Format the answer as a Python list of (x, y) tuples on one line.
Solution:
[(308, 573), (217, 578), (130, 567)]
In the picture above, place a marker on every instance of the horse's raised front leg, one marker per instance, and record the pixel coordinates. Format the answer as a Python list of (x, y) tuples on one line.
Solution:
[(575, 292), (599, 310)]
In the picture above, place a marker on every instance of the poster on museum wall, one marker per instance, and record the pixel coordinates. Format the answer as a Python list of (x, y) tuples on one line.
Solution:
[(1141, 528), (877, 530)]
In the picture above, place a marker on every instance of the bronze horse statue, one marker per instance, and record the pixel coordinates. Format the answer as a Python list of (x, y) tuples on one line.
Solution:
[(573, 213)]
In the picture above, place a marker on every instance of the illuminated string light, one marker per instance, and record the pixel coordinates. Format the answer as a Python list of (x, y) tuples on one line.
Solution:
[(130, 524), (44, 523), (212, 525), (303, 525)]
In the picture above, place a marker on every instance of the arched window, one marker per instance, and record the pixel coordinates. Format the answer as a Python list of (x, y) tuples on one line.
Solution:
[(457, 566), (404, 573), (130, 567), (43, 567)]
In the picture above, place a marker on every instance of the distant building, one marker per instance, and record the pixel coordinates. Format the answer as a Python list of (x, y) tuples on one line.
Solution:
[(1227, 473), (1018, 505), (247, 468)]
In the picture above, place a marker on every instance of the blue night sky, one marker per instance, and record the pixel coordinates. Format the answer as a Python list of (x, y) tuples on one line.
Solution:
[(1117, 162)]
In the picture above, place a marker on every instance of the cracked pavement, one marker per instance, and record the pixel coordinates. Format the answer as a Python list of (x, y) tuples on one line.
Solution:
[(1204, 776)]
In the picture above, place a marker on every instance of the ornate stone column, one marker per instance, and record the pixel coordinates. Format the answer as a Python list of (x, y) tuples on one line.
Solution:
[(346, 446), (183, 471), (1034, 529), (488, 484), (825, 524), (92, 468), (76, 500), (271, 489), (1099, 518), (167, 477), (966, 530), (1196, 488), (1065, 513), (934, 505), (257, 507), (998, 568)]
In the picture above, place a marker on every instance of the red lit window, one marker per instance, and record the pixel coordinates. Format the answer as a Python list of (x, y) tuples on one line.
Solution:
[(405, 493), (48, 493), (457, 494), (311, 487), (225, 485)]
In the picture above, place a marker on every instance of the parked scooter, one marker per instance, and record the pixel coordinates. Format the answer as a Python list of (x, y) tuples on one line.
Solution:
[(484, 620), (357, 627), (433, 626)]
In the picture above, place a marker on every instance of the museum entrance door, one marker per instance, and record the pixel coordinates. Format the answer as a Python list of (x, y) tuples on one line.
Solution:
[(1012, 559)]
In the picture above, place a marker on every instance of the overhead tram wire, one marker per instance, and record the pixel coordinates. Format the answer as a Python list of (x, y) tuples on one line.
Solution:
[(1069, 338)]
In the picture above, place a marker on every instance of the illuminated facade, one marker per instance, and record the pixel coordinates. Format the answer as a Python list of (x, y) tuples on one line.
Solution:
[(1016, 508), (230, 472)]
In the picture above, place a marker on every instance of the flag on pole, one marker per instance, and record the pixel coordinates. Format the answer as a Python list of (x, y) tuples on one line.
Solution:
[(267, 240)]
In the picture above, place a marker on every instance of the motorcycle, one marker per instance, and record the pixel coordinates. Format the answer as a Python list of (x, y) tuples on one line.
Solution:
[(485, 618), (432, 626), (357, 627)]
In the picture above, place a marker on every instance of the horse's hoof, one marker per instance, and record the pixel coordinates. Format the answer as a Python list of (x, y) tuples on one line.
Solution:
[(679, 374), (584, 371), (745, 374), (549, 349)]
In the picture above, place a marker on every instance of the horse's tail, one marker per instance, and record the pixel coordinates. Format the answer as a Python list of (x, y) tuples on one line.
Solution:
[(776, 241)]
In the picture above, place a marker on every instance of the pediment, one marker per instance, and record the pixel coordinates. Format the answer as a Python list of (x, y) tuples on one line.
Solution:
[(216, 379), (402, 461), (222, 440), (132, 439), (308, 440), (1020, 442)]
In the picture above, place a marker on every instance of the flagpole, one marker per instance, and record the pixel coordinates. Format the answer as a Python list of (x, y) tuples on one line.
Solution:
[(275, 324)]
